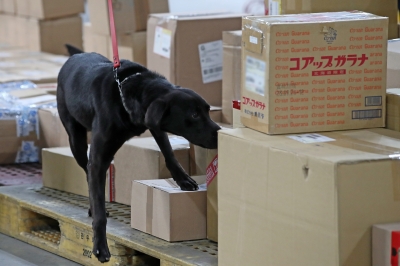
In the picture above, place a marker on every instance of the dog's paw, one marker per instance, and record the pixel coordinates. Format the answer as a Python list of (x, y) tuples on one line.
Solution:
[(100, 250), (90, 213), (188, 184)]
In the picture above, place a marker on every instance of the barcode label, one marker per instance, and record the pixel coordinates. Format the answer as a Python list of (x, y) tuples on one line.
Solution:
[(366, 114), (373, 101), (211, 61)]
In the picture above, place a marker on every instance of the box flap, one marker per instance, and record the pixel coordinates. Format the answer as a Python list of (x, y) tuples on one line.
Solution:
[(170, 186)]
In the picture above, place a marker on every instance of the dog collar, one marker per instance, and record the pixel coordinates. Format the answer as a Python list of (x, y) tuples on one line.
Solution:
[(120, 88)]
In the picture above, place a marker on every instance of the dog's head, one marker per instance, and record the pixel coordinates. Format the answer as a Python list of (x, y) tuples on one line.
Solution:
[(184, 113)]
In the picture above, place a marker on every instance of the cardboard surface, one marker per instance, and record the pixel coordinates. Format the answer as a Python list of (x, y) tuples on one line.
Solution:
[(385, 8), (393, 109), (316, 196), (61, 171), (141, 159), (232, 71), (393, 67), (161, 209), (129, 15), (49, 9), (187, 50), (9, 7), (132, 46), (212, 194), (321, 72), (52, 132)]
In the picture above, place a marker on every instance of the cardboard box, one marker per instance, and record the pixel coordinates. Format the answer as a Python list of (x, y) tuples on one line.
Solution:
[(49, 9), (308, 198), (212, 194), (61, 171), (393, 109), (87, 37), (236, 114), (141, 159), (9, 6), (231, 71), (52, 131), (162, 209), (129, 15), (132, 46), (384, 8), (385, 244), (323, 72), (393, 67), (187, 50), (8, 28)]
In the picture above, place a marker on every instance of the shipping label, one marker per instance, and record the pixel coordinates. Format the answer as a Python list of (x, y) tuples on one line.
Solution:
[(162, 42), (210, 55)]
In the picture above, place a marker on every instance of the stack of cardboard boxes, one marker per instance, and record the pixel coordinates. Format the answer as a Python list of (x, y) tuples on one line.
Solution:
[(41, 25), (312, 193), (130, 23)]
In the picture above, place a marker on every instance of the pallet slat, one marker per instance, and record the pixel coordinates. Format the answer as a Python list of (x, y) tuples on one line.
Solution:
[(57, 222)]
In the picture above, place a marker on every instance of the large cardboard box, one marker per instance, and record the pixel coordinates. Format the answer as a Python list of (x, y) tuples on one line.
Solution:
[(61, 171), (132, 46), (308, 198), (385, 244), (187, 50), (393, 66), (141, 159), (314, 72), (49, 9), (129, 15), (393, 109), (231, 71), (162, 209), (384, 8)]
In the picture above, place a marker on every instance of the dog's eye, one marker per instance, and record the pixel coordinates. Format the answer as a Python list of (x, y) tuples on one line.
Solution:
[(195, 115)]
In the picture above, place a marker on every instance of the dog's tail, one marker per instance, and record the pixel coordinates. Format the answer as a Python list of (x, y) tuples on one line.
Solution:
[(73, 50)]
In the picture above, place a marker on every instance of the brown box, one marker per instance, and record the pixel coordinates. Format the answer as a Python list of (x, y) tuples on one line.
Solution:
[(52, 35), (316, 196), (132, 46), (141, 159), (393, 109), (384, 8), (393, 66), (231, 72), (61, 171), (383, 243), (52, 131), (9, 6), (162, 209), (187, 50), (129, 15), (324, 72), (49, 9), (8, 28)]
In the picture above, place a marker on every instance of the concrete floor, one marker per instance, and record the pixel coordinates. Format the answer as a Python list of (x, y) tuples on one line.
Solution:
[(14, 252)]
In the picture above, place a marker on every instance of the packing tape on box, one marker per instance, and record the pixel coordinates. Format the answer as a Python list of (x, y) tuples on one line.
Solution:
[(28, 153)]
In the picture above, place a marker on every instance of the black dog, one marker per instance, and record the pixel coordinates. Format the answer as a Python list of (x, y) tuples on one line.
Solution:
[(89, 99)]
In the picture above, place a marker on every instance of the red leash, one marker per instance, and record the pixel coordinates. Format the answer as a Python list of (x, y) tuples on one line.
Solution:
[(113, 35)]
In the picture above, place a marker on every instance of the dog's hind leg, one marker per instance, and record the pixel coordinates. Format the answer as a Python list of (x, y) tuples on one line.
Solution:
[(102, 150)]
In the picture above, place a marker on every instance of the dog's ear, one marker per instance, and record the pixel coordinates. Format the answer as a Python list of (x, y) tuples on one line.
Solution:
[(154, 114)]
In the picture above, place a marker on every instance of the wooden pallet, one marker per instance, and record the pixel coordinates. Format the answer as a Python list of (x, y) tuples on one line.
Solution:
[(58, 222)]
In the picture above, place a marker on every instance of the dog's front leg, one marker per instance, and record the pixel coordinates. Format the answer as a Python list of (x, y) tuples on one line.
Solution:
[(184, 181), (97, 169)]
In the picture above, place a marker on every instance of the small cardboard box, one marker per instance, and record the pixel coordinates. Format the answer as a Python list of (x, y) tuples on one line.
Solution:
[(384, 8), (308, 198), (393, 109), (187, 50), (49, 9), (393, 66), (141, 159), (314, 72), (61, 171), (231, 71), (129, 15), (385, 244), (162, 209)]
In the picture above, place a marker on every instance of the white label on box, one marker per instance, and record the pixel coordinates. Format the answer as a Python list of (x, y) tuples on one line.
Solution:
[(162, 42), (311, 138), (174, 141), (255, 75), (253, 39), (211, 61), (274, 7)]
